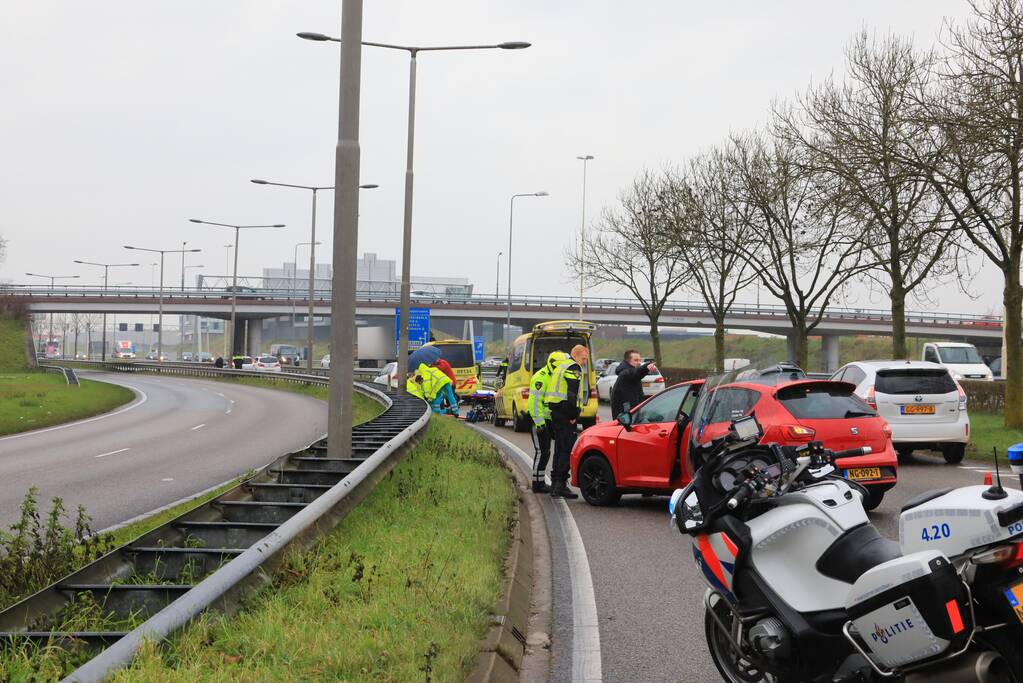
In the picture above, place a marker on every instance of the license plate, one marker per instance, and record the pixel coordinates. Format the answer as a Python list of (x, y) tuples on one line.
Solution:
[(865, 473), (917, 410), (1014, 594)]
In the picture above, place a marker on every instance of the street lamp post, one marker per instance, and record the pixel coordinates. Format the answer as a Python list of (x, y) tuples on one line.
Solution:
[(106, 272), (52, 279), (511, 218), (294, 280), (159, 315), (312, 257), (497, 277), (582, 232), (229, 348), (406, 246)]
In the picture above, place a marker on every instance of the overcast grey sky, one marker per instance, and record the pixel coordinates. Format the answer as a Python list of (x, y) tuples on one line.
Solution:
[(121, 120)]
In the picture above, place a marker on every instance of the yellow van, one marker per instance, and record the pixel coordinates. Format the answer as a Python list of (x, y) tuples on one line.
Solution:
[(459, 354), (529, 353)]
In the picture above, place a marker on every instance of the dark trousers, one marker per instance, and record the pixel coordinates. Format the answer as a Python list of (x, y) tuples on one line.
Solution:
[(542, 437), (564, 440)]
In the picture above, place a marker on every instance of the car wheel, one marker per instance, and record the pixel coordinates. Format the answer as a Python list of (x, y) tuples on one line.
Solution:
[(495, 420), (597, 482), (519, 423), (904, 451), (953, 452), (872, 499)]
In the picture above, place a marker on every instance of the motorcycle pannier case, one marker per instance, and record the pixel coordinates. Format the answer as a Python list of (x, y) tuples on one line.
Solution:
[(911, 609)]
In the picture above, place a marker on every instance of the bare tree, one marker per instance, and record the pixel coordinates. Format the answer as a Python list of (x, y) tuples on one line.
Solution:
[(802, 244), (862, 132), (628, 250), (976, 162), (704, 226)]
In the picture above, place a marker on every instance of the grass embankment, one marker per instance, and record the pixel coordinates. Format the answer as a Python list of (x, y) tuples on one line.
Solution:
[(400, 591), (988, 431), (30, 400)]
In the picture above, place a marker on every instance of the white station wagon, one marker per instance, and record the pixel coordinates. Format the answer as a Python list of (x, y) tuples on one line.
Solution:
[(920, 401)]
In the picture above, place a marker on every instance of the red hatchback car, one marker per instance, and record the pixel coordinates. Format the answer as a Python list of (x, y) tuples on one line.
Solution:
[(650, 454)]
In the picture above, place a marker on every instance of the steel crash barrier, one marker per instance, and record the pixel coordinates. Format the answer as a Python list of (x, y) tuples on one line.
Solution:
[(213, 555)]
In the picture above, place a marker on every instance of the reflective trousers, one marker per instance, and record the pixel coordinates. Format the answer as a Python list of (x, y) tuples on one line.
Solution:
[(564, 440), (542, 437)]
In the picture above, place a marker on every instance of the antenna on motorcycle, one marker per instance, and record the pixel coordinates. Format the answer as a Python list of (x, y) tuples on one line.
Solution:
[(996, 492)]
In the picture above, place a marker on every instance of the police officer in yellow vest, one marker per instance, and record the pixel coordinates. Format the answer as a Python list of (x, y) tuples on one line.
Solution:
[(565, 400), (540, 414)]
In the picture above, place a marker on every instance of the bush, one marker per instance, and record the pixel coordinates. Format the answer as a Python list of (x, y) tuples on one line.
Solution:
[(984, 397), (14, 307), (676, 375)]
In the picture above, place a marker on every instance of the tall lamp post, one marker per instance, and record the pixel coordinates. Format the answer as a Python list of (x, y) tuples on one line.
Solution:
[(52, 279), (312, 255), (497, 277), (406, 245), (159, 321), (294, 281), (106, 273), (582, 232), (229, 346), (511, 222)]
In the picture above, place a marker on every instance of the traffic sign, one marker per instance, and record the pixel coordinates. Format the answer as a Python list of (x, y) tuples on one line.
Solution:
[(418, 328), (478, 347)]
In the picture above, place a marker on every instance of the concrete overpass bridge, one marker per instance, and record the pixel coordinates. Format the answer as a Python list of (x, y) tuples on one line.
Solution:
[(260, 304)]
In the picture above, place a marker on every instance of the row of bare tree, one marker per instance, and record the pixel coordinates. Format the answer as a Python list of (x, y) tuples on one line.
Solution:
[(891, 177)]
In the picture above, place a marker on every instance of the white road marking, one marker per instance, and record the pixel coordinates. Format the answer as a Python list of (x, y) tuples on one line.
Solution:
[(167, 479), (220, 395), (198, 426), (120, 450), (132, 406), (227, 412), (586, 664)]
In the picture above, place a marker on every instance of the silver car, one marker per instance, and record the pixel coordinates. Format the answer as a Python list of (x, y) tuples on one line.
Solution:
[(923, 405)]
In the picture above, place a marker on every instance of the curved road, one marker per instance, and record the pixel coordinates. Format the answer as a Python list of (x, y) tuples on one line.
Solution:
[(178, 437), (646, 589)]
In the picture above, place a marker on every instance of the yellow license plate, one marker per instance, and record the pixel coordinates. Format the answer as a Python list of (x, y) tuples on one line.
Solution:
[(918, 410), (865, 473)]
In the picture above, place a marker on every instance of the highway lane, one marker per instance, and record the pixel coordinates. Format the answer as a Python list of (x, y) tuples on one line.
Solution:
[(179, 436), (647, 588)]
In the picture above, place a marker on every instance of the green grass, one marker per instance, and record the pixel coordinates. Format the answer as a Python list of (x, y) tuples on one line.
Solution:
[(988, 431), (400, 591), (30, 400), (12, 341)]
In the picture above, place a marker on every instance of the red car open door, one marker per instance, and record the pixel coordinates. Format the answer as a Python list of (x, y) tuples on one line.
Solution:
[(646, 453)]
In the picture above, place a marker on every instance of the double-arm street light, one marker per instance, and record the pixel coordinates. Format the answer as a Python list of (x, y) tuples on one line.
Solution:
[(582, 233), (106, 273), (312, 254), (511, 222), (294, 283), (52, 279), (229, 345), (406, 247), (159, 321)]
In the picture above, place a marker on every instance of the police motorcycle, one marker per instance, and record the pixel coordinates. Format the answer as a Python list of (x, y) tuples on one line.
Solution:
[(803, 588)]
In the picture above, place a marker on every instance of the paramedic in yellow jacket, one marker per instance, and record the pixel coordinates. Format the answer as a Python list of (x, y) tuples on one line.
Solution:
[(541, 416), (434, 386)]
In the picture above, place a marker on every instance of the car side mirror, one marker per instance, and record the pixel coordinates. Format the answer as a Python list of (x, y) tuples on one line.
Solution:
[(625, 420)]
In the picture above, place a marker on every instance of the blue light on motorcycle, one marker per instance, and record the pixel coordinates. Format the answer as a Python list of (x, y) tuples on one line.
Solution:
[(676, 496)]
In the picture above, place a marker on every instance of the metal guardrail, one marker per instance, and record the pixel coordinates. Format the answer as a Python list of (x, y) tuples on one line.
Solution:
[(69, 374), (676, 307), (234, 542)]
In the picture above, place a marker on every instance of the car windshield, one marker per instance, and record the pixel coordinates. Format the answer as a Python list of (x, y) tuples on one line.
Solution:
[(823, 401), (914, 381), (959, 354), (458, 355)]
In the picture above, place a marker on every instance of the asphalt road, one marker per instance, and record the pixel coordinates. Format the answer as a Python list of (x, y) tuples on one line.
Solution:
[(178, 437), (647, 588)]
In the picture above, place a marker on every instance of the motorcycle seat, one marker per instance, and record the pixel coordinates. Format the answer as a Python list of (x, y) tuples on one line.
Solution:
[(857, 550), (924, 497)]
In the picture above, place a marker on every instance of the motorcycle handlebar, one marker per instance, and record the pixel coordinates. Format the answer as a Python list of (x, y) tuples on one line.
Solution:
[(739, 496), (852, 452)]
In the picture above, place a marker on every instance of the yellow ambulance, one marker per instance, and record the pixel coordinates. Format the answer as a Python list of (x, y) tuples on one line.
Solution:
[(459, 354), (529, 353)]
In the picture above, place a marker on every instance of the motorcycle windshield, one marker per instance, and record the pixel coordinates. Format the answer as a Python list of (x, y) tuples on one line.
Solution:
[(708, 398)]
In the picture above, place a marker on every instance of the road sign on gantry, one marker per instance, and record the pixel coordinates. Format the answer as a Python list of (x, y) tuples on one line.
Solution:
[(418, 328)]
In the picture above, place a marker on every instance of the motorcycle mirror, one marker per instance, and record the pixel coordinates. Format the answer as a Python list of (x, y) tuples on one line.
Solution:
[(747, 428)]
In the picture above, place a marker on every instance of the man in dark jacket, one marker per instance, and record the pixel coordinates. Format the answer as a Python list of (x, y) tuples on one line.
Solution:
[(628, 388)]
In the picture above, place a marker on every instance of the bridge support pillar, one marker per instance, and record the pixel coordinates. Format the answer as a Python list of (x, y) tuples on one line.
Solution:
[(255, 334), (237, 336), (829, 352), (790, 348)]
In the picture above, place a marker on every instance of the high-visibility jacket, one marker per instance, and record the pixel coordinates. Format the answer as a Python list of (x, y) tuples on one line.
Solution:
[(413, 387), (535, 405), (557, 387), (433, 381)]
